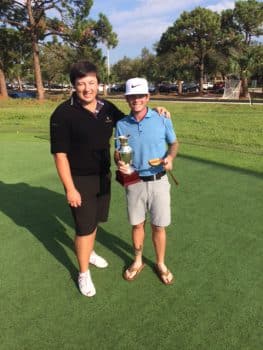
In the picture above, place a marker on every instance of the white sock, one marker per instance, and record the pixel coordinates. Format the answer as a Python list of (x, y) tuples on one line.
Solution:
[(82, 274)]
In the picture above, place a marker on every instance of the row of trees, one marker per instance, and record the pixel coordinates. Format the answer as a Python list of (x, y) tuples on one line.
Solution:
[(27, 24), (199, 44), (203, 43)]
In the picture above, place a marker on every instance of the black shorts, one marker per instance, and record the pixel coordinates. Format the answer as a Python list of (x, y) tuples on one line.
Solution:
[(95, 202)]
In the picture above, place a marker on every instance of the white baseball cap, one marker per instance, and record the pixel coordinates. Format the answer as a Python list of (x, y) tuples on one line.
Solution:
[(136, 86)]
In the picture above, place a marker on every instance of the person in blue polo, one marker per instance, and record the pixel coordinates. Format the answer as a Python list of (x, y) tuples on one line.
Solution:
[(151, 137)]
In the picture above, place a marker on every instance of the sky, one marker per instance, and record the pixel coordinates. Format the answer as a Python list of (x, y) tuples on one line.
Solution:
[(140, 23)]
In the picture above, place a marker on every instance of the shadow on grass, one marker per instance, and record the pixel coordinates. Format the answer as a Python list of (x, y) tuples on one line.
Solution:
[(42, 212), (221, 165), (119, 247)]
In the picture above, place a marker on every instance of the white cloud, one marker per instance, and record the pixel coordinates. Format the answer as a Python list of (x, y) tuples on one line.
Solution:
[(142, 31), (141, 23), (145, 22), (152, 9), (222, 6)]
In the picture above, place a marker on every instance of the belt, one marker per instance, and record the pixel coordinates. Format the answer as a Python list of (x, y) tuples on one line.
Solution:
[(153, 177)]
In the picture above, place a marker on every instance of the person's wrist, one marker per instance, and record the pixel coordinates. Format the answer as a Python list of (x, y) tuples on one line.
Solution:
[(70, 189), (170, 158)]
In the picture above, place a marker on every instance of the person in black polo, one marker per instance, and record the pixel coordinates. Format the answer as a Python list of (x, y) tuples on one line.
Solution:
[(80, 132)]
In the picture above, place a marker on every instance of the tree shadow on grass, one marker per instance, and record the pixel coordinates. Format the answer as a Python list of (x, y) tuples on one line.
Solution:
[(42, 212), (223, 166)]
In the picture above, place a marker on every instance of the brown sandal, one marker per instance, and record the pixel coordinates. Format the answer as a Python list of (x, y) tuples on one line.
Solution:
[(135, 270), (164, 275)]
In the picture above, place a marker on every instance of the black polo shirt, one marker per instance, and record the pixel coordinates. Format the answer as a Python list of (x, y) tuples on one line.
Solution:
[(84, 136)]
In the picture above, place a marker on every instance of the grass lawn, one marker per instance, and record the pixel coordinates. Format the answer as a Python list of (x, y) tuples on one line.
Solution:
[(214, 243)]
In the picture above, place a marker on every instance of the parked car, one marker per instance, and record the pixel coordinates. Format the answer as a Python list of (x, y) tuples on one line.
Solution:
[(57, 87), (29, 87), (218, 87), (152, 88), (208, 86), (168, 87), (118, 88), (173, 87), (163, 87), (102, 87), (22, 94), (190, 87)]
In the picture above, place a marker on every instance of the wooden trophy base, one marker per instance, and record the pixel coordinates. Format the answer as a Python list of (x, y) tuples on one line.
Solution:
[(127, 179)]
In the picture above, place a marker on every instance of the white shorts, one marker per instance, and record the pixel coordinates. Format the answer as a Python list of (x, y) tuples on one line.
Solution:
[(149, 196)]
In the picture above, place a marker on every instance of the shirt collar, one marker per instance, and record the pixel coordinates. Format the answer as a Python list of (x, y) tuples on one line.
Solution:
[(74, 101), (147, 115)]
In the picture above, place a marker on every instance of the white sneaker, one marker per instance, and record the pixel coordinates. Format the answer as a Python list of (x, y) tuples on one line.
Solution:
[(86, 285), (98, 261)]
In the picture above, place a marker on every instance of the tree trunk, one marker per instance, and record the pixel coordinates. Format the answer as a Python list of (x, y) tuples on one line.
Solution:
[(180, 87), (202, 75), (3, 89), (37, 70), (105, 91), (34, 42), (244, 87), (20, 86)]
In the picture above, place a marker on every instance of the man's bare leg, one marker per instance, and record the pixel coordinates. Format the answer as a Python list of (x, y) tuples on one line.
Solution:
[(138, 240), (159, 241), (84, 246)]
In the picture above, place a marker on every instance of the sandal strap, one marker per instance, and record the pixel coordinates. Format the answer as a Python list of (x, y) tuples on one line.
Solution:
[(164, 275), (133, 271)]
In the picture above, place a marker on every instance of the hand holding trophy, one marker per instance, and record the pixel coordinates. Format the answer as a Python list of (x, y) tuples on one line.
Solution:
[(126, 174)]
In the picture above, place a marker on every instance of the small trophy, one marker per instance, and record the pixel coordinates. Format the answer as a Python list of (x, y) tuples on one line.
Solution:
[(126, 154)]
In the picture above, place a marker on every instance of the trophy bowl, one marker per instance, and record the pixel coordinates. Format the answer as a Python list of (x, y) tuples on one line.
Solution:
[(126, 155)]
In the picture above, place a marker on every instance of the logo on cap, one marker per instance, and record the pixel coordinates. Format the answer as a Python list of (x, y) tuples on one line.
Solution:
[(136, 86)]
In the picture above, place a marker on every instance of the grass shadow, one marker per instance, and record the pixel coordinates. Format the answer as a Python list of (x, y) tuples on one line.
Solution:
[(221, 165), (119, 247), (42, 212)]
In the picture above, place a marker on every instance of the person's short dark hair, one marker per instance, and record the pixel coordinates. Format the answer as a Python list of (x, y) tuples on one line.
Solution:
[(80, 69)]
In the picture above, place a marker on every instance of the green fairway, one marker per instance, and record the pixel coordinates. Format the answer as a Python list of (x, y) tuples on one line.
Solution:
[(214, 243)]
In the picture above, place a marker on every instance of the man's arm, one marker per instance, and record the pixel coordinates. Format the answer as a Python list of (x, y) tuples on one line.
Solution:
[(63, 169), (171, 154)]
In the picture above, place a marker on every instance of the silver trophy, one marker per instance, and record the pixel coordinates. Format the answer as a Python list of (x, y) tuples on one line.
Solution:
[(126, 153)]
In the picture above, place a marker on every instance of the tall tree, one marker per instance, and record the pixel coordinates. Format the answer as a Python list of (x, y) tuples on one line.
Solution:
[(148, 65), (257, 64), (124, 69), (14, 51), (145, 65), (61, 56), (241, 26), (196, 33), (72, 24)]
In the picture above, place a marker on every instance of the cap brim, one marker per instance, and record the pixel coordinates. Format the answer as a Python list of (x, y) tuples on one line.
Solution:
[(136, 93)]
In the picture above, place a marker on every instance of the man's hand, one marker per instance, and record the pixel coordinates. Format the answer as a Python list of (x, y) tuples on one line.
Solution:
[(163, 111), (63, 168), (73, 198), (168, 163), (123, 167)]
